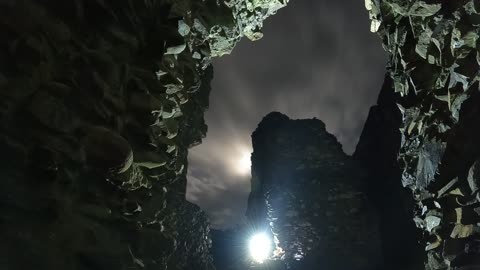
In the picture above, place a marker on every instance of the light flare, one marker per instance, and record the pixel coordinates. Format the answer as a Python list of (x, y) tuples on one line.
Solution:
[(260, 247)]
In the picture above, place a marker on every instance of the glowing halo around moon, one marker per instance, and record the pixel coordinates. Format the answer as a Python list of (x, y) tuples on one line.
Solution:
[(242, 163), (260, 247)]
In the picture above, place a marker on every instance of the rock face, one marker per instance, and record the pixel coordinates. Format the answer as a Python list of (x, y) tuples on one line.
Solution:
[(230, 248), (434, 63), (100, 101), (377, 152), (312, 196)]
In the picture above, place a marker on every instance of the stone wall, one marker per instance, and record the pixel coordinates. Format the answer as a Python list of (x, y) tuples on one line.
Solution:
[(312, 197), (377, 152), (100, 101), (434, 64)]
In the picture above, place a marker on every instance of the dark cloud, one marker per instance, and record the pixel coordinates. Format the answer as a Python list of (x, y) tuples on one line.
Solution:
[(317, 59)]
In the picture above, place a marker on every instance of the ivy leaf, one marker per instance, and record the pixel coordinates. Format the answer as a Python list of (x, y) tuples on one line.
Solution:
[(456, 78), (422, 9)]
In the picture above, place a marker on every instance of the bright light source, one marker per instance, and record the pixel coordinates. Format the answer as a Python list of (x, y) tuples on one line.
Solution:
[(244, 163), (260, 247)]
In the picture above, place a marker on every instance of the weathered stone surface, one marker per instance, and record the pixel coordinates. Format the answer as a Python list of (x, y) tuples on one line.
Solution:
[(100, 101), (377, 152), (106, 151), (434, 63), (312, 197)]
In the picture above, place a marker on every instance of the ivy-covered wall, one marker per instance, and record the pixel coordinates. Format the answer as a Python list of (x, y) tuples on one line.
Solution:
[(100, 101)]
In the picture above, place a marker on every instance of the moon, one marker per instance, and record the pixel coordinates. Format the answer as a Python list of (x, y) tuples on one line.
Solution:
[(244, 163)]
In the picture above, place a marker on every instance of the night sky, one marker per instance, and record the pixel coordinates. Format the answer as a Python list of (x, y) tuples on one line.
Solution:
[(317, 59)]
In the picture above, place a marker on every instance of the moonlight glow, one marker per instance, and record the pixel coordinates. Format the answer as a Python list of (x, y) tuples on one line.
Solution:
[(244, 163), (260, 247)]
